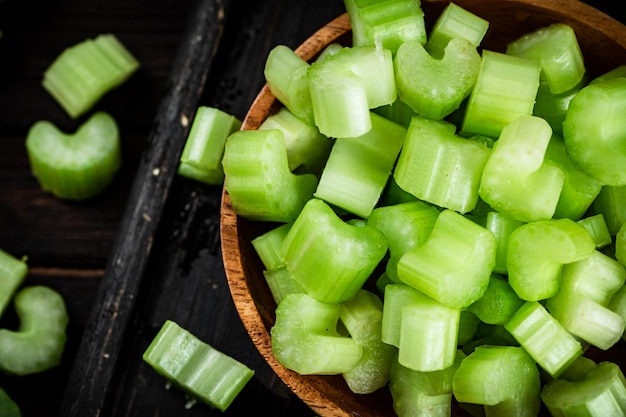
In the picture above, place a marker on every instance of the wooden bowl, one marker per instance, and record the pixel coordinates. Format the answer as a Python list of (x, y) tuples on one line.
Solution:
[(603, 42)]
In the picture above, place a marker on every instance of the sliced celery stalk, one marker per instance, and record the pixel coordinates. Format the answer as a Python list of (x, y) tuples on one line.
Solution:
[(13, 271), (455, 22), (618, 305), (281, 283), (498, 303), (553, 107), (267, 246), (398, 112), (597, 228), (579, 369), (197, 368), (611, 203), (620, 245), (501, 226), (468, 323)]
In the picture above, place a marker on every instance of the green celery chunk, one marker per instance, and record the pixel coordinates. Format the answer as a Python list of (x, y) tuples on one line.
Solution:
[(197, 368), (8, 407), (537, 252), (281, 283), (38, 344), (488, 335), (435, 87), (455, 22), (620, 245), (498, 303), (75, 166), (258, 179), (329, 257), (450, 167), (398, 112), (330, 49), (357, 169), (579, 369), (393, 194), (453, 266), (505, 89), (468, 323), (597, 228), (611, 203), (553, 107), (601, 393), (617, 304), (13, 271), (305, 337), (85, 72), (202, 154), (556, 48), (267, 246), (595, 131), (501, 226), (544, 338), (504, 379)]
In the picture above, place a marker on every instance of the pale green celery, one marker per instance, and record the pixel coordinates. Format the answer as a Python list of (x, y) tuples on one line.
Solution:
[(556, 48), (578, 370), (579, 189), (422, 394), (281, 283), (455, 22), (498, 303), (505, 89), (601, 393), (357, 169), (620, 245), (393, 194), (398, 112), (435, 87), (618, 305), (267, 246), (405, 226), (537, 252), (453, 266), (330, 49), (258, 180), (489, 335), (501, 226), (611, 203), (307, 148), (197, 368), (305, 337), (13, 271), (504, 379), (286, 74), (330, 258), (595, 131), (468, 323), (553, 107), (202, 154), (597, 228), (450, 168), (362, 317), (396, 297)]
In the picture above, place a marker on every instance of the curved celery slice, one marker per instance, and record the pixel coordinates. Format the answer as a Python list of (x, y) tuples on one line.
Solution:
[(75, 166), (498, 303), (455, 22), (598, 229), (13, 271)]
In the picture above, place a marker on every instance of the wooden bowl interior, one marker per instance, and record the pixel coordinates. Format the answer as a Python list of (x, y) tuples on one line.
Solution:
[(603, 42)]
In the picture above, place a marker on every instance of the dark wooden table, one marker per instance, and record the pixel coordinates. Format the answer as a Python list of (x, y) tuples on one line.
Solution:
[(69, 244)]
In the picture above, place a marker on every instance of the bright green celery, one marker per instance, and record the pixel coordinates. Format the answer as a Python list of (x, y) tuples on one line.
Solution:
[(618, 305), (556, 48), (455, 22), (405, 226), (200, 370), (307, 148), (620, 245), (501, 226), (504, 379), (331, 258), (468, 323), (453, 266), (305, 337), (202, 154), (8, 407), (281, 283), (553, 107), (330, 49), (578, 370), (422, 394), (398, 112), (544, 338), (498, 303), (84, 72), (346, 85), (357, 169), (13, 271), (597, 228), (267, 246), (38, 343), (487, 335), (286, 75), (75, 166), (258, 179), (516, 181), (537, 252), (505, 89), (362, 317), (450, 167), (601, 393), (595, 131), (611, 203), (435, 87), (393, 194)]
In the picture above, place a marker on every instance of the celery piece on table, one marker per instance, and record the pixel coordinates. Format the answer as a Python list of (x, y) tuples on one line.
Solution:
[(13, 271), (329, 257), (8, 407), (498, 303), (357, 169), (75, 166), (258, 180), (597, 228), (305, 337), (84, 72), (197, 368), (611, 203), (501, 226), (455, 22)]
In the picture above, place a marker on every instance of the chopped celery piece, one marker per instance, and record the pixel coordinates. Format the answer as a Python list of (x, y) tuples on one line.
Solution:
[(579, 369), (595, 131), (620, 245), (84, 72), (544, 338), (611, 203), (450, 167), (516, 181), (453, 266), (281, 283), (455, 22), (553, 107), (8, 407), (331, 258), (505, 89), (498, 303), (202, 154), (435, 87), (267, 246), (597, 228), (357, 169), (504, 379), (537, 252), (330, 49), (398, 112), (305, 337), (197, 368), (501, 226), (489, 334), (38, 344), (468, 323), (601, 393), (13, 271), (75, 166), (556, 48), (258, 179), (618, 305), (393, 194)]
